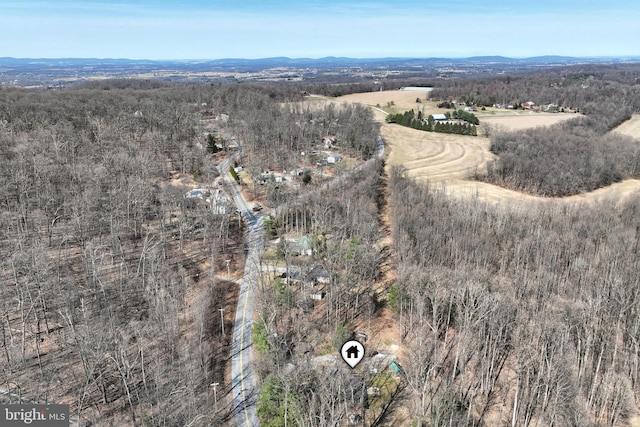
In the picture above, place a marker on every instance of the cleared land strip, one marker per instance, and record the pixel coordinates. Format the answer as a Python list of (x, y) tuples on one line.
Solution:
[(521, 120)]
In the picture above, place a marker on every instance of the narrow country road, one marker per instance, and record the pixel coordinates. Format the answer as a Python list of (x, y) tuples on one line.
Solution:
[(243, 381)]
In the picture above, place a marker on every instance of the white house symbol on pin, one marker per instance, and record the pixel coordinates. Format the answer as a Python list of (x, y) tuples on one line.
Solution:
[(352, 352)]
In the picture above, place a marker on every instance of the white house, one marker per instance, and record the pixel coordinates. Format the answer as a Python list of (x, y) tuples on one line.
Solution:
[(333, 159)]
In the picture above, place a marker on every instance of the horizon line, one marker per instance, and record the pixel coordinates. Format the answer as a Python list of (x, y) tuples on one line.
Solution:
[(635, 56)]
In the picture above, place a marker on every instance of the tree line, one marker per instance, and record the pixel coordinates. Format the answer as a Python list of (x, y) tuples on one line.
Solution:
[(601, 89), (561, 160), (429, 124)]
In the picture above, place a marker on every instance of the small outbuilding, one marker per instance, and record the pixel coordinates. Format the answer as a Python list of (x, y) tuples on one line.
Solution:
[(317, 295), (329, 141)]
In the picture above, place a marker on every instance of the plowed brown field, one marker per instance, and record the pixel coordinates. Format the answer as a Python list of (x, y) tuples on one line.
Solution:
[(435, 156)]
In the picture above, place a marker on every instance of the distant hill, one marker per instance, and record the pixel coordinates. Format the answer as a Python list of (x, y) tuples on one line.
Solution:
[(285, 61)]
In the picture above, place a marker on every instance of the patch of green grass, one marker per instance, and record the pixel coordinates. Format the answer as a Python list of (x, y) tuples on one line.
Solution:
[(270, 253), (260, 337), (388, 387), (327, 348)]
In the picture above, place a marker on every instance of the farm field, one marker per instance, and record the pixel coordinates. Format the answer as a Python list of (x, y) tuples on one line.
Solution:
[(445, 158), (630, 128), (403, 100), (523, 120), (435, 156)]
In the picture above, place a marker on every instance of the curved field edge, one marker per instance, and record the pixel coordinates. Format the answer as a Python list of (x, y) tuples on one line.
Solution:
[(630, 127), (407, 145)]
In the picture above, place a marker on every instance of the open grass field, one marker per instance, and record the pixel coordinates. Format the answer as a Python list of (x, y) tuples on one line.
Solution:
[(435, 156), (402, 100), (511, 121), (444, 158), (631, 127)]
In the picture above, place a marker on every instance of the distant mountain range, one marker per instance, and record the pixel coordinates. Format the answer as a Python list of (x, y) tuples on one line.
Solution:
[(316, 62), (63, 71)]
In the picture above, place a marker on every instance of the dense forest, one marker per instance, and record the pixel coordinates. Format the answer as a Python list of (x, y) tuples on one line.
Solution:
[(562, 160), (524, 315), (109, 293), (111, 288)]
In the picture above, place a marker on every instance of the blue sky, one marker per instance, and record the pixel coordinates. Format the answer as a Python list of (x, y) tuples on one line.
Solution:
[(200, 29)]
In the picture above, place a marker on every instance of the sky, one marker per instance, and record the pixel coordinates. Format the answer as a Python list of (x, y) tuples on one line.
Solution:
[(214, 29)]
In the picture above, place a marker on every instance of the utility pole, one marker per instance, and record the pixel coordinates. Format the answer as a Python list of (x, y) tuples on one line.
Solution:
[(221, 310), (215, 394)]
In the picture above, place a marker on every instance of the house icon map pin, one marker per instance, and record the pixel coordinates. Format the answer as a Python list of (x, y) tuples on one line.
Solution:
[(352, 352)]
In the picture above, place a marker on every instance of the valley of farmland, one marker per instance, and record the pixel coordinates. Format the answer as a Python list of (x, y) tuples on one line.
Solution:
[(437, 157)]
